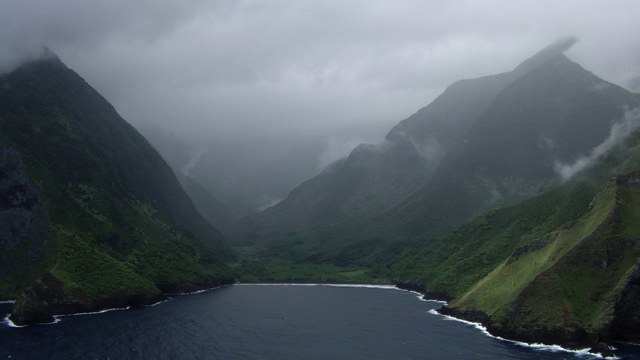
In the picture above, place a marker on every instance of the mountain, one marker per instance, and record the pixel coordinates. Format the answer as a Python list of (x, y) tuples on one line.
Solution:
[(91, 217), (492, 141), (181, 158), (559, 268), (552, 115), (376, 176)]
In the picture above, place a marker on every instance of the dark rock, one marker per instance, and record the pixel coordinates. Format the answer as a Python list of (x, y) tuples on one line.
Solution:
[(25, 224), (46, 297), (531, 247), (626, 323)]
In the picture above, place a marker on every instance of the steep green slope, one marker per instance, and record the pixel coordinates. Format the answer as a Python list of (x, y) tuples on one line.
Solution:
[(567, 289), (558, 268), (121, 229)]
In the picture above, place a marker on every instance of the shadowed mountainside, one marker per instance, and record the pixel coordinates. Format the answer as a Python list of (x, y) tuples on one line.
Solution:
[(110, 224)]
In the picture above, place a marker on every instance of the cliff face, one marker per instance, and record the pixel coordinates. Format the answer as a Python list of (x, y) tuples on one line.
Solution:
[(25, 226), (626, 322), (90, 214)]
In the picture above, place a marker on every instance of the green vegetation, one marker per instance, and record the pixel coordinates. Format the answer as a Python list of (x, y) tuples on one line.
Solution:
[(82, 267), (254, 268), (554, 267), (113, 225)]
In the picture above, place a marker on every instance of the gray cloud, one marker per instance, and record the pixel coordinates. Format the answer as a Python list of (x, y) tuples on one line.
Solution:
[(238, 67)]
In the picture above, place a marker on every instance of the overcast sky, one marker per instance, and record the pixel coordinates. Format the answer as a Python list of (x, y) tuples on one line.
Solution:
[(237, 69)]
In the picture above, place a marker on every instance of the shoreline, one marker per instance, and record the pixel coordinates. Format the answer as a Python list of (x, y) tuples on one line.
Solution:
[(56, 318), (480, 326), (534, 346)]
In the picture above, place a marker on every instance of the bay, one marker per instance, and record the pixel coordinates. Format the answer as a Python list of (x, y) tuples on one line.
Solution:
[(271, 322)]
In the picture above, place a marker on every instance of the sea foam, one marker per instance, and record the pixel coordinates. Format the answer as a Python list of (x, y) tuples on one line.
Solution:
[(195, 292), (370, 286), (8, 323)]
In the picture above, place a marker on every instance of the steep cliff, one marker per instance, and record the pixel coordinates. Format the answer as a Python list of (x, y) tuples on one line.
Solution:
[(96, 217)]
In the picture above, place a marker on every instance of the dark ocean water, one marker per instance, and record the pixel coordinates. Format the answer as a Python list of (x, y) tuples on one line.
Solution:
[(271, 322)]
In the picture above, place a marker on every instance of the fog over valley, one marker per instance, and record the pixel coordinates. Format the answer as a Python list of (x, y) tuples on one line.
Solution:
[(252, 98)]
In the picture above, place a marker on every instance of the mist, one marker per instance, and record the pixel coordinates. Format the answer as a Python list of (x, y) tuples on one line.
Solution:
[(620, 130), (275, 90)]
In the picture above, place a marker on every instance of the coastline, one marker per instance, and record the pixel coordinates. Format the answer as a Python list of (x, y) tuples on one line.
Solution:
[(534, 346), (50, 316), (482, 322)]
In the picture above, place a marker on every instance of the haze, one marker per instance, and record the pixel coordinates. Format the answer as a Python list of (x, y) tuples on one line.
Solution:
[(279, 89)]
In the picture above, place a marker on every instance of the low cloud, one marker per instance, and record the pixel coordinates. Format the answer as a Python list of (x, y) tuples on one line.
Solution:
[(336, 149), (429, 149), (267, 201), (619, 131), (193, 162)]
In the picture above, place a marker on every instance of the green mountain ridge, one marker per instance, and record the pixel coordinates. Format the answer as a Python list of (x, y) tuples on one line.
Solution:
[(105, 223)]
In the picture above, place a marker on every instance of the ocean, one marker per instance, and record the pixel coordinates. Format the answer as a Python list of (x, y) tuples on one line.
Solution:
[(273, 322)]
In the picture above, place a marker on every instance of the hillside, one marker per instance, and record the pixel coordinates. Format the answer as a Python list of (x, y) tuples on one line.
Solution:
[(558, 268), (503, 139), (102, 220)]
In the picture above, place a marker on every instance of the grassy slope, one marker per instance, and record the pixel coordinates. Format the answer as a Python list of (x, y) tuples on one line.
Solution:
[(571, 285), (457, 261)]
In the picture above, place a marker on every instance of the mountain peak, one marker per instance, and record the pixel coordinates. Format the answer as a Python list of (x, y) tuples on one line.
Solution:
[(552, 51), (47, 54)]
